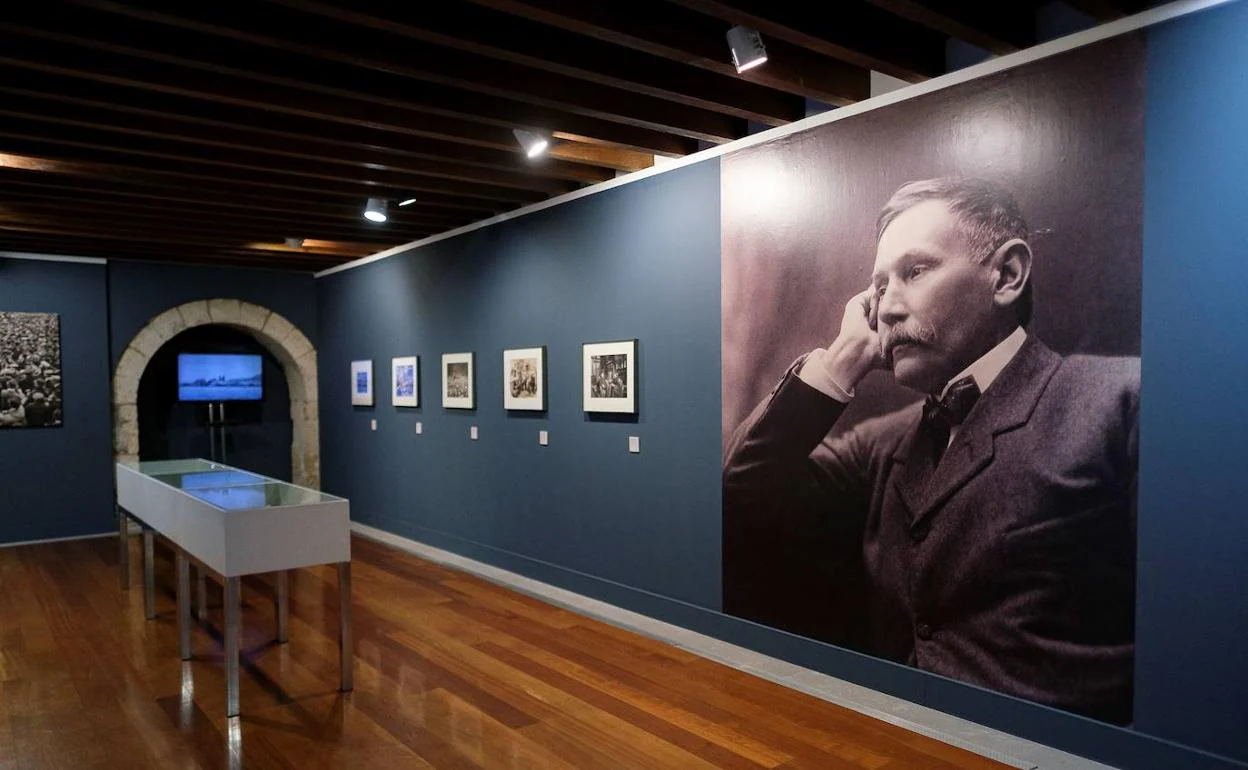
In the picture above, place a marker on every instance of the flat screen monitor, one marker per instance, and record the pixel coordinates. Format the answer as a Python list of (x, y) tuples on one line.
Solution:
[(220, 377)]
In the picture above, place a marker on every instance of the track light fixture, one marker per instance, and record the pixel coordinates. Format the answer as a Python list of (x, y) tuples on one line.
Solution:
[(534, 144), (294, 243), (375, 211), (747, 48), (408, 202)]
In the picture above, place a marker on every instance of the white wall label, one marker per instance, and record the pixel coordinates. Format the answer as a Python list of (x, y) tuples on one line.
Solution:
[(543, 437), (472, 433), (420, 428), (634, 444), (374, 424)]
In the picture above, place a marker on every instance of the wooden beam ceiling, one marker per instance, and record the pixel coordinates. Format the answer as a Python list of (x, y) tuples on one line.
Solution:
[(208, 132)]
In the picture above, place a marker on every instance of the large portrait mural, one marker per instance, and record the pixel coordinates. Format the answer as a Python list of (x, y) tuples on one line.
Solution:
[(931, 339)]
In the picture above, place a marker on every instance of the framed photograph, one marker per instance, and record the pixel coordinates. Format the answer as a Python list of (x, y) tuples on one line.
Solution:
[(361, 383), (458, 381), (30, 370), (610, 376), (524, 379), (405, 381)]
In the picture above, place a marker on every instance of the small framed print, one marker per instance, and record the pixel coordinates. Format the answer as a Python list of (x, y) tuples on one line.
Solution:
[(609, 371), (361, 383), (458, 381), (405, 381), (524, 379)]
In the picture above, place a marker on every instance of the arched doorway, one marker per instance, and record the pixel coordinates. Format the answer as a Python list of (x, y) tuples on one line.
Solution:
[(280, 337)]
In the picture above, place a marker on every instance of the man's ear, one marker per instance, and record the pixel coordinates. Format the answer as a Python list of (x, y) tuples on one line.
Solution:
[(1011, 264)]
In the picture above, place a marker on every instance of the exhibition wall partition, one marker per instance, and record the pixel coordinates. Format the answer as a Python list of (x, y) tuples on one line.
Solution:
[(57, 481), (1065, 565)]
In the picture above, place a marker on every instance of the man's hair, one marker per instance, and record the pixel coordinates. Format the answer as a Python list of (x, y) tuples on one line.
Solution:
[(986, 212)]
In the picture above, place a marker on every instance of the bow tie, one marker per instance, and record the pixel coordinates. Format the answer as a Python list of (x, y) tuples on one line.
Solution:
[(951, 409)]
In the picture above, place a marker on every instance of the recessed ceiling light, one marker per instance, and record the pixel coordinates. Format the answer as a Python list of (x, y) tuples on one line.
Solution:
[(375, 211)]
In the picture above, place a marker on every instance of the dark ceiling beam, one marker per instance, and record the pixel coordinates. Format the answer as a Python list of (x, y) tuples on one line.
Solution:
[(40, 89), (63, 157), (849, 30), (162, 157), (97, 184), (475, 30), (223, 147), (10, 239), (78, 247), (283, 226), (324, 51), (247, 229), (997, 27), (442, 113), (689, 38), (105, 232)]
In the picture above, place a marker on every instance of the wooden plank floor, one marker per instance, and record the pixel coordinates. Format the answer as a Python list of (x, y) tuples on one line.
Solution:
[(451, 672)]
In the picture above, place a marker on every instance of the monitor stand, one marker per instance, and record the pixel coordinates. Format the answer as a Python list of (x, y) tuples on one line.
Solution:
[(216, 420)]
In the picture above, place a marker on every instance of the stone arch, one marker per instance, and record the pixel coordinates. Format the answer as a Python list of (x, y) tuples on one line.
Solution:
[(280, 337)]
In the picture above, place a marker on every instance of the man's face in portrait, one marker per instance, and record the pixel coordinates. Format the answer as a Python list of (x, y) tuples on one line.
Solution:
[(935, 299)]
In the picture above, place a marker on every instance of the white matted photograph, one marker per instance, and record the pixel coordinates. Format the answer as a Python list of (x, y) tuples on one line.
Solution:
[(458, 381), (405, 381), (610, 376), (361, 383), (524, 379)]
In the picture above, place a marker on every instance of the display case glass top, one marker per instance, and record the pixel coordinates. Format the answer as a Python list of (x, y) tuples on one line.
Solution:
[(228, 488)]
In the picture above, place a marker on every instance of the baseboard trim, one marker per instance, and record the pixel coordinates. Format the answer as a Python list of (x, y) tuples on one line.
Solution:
[(955, 731), (95, 536)]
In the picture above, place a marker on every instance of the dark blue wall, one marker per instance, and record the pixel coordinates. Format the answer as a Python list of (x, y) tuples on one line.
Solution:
[(640, 261), (140, 291), (642, 532), (1193, 536), (57, 482)]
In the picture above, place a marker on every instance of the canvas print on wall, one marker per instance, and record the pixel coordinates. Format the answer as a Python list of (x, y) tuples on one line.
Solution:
[(361, 383), (405, 381), (524, 379), (458, 384), (931, 380), (30, 370), (609, 372)]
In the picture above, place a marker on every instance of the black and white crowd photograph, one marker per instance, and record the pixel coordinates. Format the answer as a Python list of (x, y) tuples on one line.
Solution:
[(30, 370), (458, 384)]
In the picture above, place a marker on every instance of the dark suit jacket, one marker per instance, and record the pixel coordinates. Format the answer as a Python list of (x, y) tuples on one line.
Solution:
[(1010, 562)]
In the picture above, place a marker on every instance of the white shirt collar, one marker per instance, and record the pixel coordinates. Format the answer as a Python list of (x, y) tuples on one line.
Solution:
[(990, 364)]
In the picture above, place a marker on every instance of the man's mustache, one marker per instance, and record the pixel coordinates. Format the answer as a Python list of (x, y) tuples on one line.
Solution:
[(908, 334)]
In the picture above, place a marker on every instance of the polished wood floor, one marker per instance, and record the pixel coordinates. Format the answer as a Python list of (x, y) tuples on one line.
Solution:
[(451, 672)]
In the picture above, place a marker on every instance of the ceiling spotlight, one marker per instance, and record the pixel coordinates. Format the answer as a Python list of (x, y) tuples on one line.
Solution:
[(294, 243), (375, 211), (747, 47), (534, 144), (408, 202)]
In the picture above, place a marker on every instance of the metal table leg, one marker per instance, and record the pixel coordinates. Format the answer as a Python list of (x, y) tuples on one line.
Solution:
[(232, 598), (346, 655), (149, 574), (281, 606), (201, 593), (123, 548), (184, 604)]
